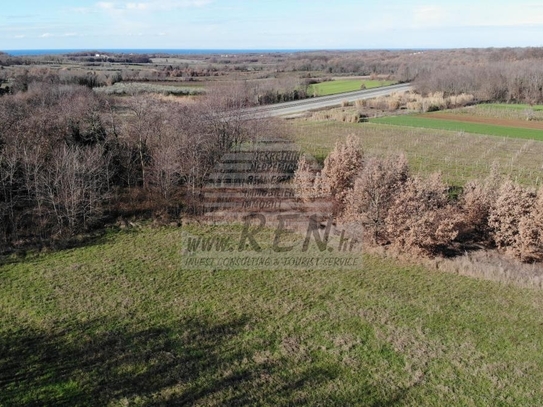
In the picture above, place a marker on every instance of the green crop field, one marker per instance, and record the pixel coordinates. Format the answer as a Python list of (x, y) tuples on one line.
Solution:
[(347, 85), (476, 128), (119, 322)]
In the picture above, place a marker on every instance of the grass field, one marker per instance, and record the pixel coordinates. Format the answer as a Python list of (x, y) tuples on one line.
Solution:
[(503, 111), (346, 85), (513, 106), (476, 128), (459, 156), (120, 323)]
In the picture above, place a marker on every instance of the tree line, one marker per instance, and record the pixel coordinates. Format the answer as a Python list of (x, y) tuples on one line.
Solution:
[(493, 74), (72, 160)]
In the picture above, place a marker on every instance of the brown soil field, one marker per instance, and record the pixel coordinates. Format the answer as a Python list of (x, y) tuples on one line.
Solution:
[(485, 120)]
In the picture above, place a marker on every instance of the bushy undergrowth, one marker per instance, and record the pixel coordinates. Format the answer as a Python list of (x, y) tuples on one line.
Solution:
[(136, 88), (420, 215), (417, 102)]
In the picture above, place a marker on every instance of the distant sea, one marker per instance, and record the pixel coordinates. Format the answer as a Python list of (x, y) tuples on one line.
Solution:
[(37, 52)]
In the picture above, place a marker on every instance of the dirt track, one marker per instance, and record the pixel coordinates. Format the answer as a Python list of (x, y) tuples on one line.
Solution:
[(485, 120)]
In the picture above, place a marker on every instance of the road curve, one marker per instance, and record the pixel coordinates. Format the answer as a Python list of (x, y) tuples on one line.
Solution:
[(299, 106)]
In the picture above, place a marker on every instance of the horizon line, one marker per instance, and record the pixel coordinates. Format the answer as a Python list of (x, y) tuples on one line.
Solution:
[(158, 50)]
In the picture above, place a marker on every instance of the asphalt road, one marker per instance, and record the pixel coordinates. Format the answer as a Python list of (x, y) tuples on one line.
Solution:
[(300, 106)]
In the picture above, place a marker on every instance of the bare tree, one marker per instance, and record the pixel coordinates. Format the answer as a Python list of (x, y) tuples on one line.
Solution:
[(9, 191), (72, 187)]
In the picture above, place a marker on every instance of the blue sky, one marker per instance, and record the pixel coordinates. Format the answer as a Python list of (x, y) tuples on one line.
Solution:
[(265, 24)]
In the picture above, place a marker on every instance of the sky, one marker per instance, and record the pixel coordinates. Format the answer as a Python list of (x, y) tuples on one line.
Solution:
[(268, 24)]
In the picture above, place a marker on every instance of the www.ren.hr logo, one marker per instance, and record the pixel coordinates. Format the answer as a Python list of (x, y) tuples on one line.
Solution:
[(279, 242), (251, 216)]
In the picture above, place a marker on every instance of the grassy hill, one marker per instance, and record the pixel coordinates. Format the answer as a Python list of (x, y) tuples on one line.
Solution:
[(119, 322)]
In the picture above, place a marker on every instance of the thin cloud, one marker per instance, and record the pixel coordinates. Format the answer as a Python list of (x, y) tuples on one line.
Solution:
[(426, 16), (21, 16), (476, 15), (51, 35), (137, 6), (158, 5), (105, 5), (214, 23)]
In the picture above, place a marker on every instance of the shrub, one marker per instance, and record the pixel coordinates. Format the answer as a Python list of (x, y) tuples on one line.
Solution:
[(339, 116), (341, 168), (393, 104), (419, 103), (513, 203), (303, 180), (374, 190), (530, 238), (420, 219), (360, 103), (476, 202)]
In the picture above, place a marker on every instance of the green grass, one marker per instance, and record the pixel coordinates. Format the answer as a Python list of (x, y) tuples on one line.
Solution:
[(495, 111), (513, 106), (475, 128), (347, 85), (502, 111), (121, 323)]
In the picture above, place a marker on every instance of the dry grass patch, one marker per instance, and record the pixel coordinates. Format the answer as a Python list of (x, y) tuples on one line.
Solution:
[(416, 102)]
